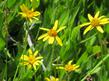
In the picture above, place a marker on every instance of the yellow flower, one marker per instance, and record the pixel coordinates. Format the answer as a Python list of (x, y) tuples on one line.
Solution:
[(31, 60), (52, 34), (28, 14), (69, 67), (52, 78), (95, 22)]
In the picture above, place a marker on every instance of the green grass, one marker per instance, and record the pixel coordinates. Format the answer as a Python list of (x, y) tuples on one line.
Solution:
[(89, 51)]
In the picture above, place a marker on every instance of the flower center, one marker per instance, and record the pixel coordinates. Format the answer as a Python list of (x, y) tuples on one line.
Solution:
[(95, 22), (30, 14), (31, 60), (69, 68), (52, 33)]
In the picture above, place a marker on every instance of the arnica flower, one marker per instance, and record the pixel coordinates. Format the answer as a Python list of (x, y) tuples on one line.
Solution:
[(31, 59), (95, 22), (52, 34), (29, 14), (69, 67), (52, 78)]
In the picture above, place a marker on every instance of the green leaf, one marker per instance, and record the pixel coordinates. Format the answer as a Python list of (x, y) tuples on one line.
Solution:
[(10, 3), (83, 58), (64, 18), (2, 44), (96, 49)]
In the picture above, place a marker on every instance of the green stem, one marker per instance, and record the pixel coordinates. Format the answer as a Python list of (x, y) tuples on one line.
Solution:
[(91, 71), (16, 73)]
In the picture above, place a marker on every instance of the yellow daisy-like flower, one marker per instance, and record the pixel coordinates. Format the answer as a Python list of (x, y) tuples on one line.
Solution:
[(52, 34), (31, 60), (29, 14), (95, 22), (69, 67), (52, 78)]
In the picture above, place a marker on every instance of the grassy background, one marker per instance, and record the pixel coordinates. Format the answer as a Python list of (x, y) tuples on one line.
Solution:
[(90, 51)]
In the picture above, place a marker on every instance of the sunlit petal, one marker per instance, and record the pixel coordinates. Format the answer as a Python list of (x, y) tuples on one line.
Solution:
[(55, 25), (99, 28), (46, 38), (42, 36), (85, 24), (87, 29), (59, 41), (90, 17), (97, 14), (45, 29), (60, 29), (51, 40)]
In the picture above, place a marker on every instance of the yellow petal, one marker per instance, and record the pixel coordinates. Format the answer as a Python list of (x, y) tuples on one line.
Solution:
[(46, 38), (102, 17), (87, 29), (35, 53), (47, 79), (24, 8), (37, 13), (59, 41), (97, 14), (55, 25), (85, 24), (90, 17), (99, 28), (24, 57), (42, 36), (53, 78), (60, 67), (70, 62), (34, 66), (45, 29), (60, 29), (40, 57), (30, 52), (51, 40)]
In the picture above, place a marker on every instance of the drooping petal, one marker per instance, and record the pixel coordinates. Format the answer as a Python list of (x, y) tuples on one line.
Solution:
[(87, 29), (85, 24), (99, 28), (97, 14), (90, 17), (51, 40), (46, 38), (55, 25), (42, 36), (45, 29), (60, 29), (59, 41)]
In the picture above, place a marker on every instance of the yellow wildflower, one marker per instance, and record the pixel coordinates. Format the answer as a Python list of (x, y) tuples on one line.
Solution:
[(28, 14), (52, 34), (95, 22), (52, 78), (31, 60), (69, 67)]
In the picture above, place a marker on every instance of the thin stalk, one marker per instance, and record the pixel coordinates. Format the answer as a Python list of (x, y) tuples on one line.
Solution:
[(91, 71)]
